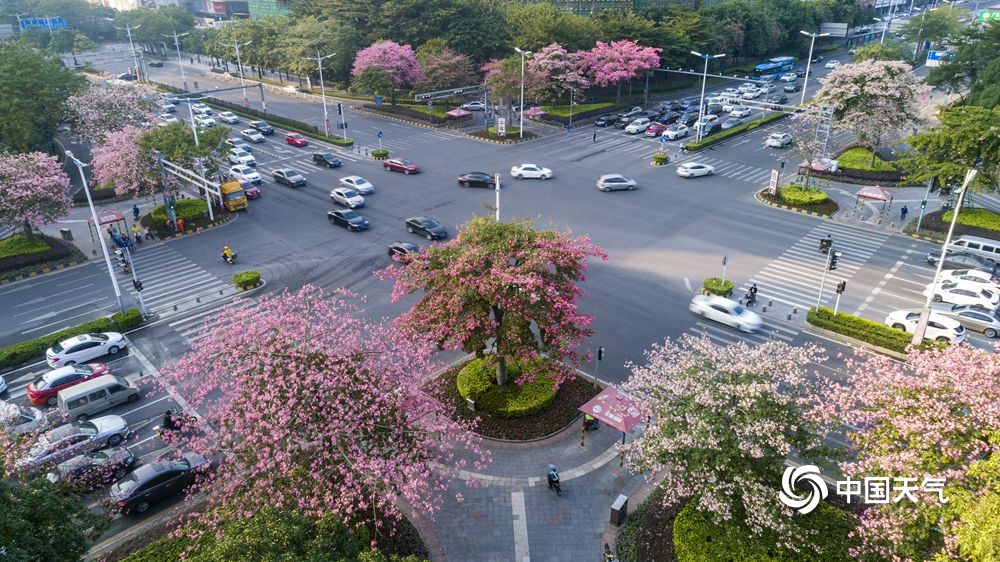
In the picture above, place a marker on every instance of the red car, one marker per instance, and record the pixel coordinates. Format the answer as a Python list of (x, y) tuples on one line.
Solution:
[(296, 139), (656, 129), (44, 389), (401, 165)]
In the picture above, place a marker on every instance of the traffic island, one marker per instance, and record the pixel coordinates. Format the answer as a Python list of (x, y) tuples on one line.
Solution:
[(811, 201), (247, 280), (380, 154), (660, 159), (717, 286)]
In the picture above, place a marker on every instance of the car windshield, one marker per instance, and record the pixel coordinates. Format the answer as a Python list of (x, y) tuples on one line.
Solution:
[(738, 310), (349, 193), (235, 196), (349, 214)]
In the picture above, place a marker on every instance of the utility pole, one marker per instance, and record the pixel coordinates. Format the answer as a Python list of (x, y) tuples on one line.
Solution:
[(177, 44), (322, 90)]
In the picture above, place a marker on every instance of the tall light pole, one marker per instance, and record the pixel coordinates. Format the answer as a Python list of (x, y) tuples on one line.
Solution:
[(239, 63), (322, 88), (812, 44), (704, 79), (885, 27), (177, 44), (100, 235), (135, 60), (520, 124)]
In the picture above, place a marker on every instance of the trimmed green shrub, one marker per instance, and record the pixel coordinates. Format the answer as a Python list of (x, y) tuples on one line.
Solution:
[(660, 159), (799, 196), (188, 210), (979, 218), (25, 351), (698, 538), (860, 158), (339, 141), (716, 286), (247, 279), (380, 154), (18, 245), (477, 381), (862, 329)]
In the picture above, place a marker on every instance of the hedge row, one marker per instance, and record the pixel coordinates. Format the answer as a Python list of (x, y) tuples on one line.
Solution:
[(247, 279), (404, 111), (716, 138), (976, 218), (187, 209), (800, 196), (27, 350), (56, 251), (862, 329), (477, 381)]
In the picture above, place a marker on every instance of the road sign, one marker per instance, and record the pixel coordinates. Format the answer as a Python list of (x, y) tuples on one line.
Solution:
[(501, 126), (772, 188), (663, 140), (380, 134), (986, 16), (935, 58)]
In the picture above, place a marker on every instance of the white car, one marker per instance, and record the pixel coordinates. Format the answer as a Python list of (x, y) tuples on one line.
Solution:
[(201, 109), (731, 105), (721, 309), (730, 93), (740, 112), (239, 143), (746, 87), (531, 171), (240, 156), (168, 107), (778, 140), (939, 328), (638, 126), (704, 119), (615, 182), (962, 292), (244, 173), (251, 135), (85, 347), (229, 117), (694, 169), (204, 121), (358, 183), (167, 119), (18, 420), (832, 64), (788, 77), (676, 131), (347, 197), (977, 276), (752, 94), (474, 106)]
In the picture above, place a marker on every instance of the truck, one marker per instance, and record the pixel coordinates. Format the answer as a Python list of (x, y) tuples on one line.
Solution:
[(233, 196)]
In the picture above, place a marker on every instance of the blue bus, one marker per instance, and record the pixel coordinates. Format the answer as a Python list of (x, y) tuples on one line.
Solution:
[(772, 69)]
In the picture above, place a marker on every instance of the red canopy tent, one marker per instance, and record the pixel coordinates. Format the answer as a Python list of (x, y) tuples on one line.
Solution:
[(875, 193), (107, 216), (534, 112), (614, 409), (458, 112)]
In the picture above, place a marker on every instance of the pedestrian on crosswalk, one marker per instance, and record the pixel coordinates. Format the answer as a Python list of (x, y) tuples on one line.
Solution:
[(135, 212), (902, 213), (595, 136)]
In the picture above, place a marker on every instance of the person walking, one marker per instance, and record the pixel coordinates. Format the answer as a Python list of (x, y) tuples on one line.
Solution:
[(135, 212), (595, 136), (553, 479), (902, 213)]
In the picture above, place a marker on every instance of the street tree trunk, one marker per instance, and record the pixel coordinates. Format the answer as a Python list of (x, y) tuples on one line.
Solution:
[(29, 233), (501, 358)]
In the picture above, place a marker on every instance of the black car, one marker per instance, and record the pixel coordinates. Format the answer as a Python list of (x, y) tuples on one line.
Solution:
[(402, 249), (604, 120), (668, 117), (792, 87), (155, 481), (816, 59), (688, 103), (127, 76), (672, 105), (688, 118), (801, 72), (477, 179), (264, 127), (348, 219), (327, 159), (623, 122), (776, 100), (289, 177), (710, 128), (426, 227), (155, 63)]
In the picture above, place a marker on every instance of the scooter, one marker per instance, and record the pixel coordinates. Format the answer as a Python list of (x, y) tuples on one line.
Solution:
[(751, 298), (553, 478), (230, 259)]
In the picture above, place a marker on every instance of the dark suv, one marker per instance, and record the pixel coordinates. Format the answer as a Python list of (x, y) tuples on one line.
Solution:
[(264, 127), (155, 481), (327, 159)]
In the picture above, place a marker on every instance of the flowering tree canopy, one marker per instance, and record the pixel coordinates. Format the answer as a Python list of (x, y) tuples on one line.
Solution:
[(398, 61), (877, 100), (503, 77), (724, 419), (619, 61), (120, 162), (105, 108), (33, 191), (491, 282), (319, 412), (935, 416), (562, 71), (445, 68)]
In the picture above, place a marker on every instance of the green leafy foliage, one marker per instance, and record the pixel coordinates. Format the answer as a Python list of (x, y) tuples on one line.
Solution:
[(247, 279), (24, 351), (697, 537), (19, 245), (380, 154), (862, 329), (800, 196), (660, 159), (477, 380), (716, 286), (187, 210), (965, 138), (860, 158), (979, 218)]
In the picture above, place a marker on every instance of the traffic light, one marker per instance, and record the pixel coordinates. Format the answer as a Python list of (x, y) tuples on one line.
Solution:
[(923, 204), (825, 244), (841, 287), (340, 109), (600, 353), (137, 284), (834, 256)]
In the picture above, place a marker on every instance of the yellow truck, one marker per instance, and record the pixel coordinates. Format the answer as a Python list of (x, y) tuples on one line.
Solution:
[(233, 196)]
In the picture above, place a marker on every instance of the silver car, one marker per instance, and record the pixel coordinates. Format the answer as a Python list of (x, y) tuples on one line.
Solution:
[(721, 309), (347, 197), (615, 182), (976, 318), (69, 440)]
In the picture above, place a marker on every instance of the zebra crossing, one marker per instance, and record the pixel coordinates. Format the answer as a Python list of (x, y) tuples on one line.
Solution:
[(173, 284), (196, 326), (724, 335), (794, 277)]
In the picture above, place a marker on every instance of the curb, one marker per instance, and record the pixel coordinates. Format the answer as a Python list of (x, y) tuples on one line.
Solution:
[(789, 207)]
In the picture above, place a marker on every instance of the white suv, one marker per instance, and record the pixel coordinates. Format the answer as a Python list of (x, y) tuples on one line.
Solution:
[(778, 140), (240, 156), (939, 327), (788, 77)]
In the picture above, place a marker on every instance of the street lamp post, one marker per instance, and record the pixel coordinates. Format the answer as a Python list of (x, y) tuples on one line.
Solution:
[(812, 44), (704, 80), (885, 27), (135, 60), (520, 124), (97, 225), (177, 44), (239, 63), (322, 88)]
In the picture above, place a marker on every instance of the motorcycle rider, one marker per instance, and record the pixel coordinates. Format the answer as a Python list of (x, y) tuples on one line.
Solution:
[(227, 254), (752, 295), (553, 479)]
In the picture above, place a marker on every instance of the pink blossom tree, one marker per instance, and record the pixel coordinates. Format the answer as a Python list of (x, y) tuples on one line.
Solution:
[(389, 61), (490, 284), (311, 409), (723, 421), (445, 68), (560, 70), (35, 191), (121, 163), (935, 416), (619, 61), (106, 108), (877, 100), (503, 78)]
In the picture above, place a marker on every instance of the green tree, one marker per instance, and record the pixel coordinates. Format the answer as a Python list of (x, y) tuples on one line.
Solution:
[(176, 143), (889, 50), (33, 96), (533, 26), (932, 25), (976, 54), (41, 523), (966, 137)]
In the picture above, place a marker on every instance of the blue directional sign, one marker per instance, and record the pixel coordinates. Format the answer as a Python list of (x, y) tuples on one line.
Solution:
[(380, 134)]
